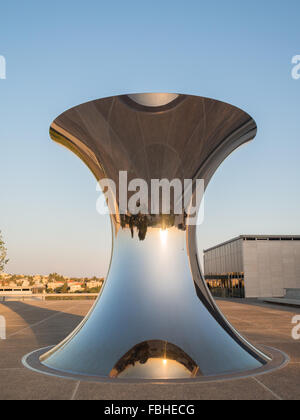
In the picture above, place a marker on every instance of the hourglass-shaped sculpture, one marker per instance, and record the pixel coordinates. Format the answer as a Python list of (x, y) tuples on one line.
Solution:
[(155, 317)]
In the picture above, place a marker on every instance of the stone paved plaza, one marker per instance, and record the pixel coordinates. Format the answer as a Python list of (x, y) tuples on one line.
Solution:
[(35, 324)]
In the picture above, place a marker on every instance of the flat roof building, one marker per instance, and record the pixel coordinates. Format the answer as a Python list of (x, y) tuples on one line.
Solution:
[(253, 266)]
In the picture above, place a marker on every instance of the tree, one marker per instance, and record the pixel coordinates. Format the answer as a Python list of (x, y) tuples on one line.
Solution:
[(63, 289), (3, 254)]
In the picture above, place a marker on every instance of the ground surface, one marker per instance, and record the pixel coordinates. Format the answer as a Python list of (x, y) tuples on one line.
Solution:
[(32, 325)]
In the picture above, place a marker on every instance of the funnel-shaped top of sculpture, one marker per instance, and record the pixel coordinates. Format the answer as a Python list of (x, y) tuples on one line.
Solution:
[(153, 136)]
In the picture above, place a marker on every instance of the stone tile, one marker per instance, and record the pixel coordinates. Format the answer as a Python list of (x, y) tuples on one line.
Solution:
[(244, 389), (284, 382), (22, 384)]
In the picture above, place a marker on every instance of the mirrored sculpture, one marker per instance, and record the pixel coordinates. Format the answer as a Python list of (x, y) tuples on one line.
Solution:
[(155, 317)]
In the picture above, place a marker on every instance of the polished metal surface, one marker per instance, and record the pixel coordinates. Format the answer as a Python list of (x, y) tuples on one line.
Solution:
[(153, 99), (155, 317), (150, 295)]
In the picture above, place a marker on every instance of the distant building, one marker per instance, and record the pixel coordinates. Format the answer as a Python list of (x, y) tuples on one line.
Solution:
[(15, 291), (75, 287), (38, 288), (94, 284), (38, 284), (25, 283), (55, 285), (253, 266)]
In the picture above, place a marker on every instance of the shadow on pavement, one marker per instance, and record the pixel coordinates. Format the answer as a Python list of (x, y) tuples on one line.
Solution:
[(45, 324)]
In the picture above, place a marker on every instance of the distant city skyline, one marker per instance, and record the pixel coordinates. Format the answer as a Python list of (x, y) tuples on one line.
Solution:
[(67, 56)]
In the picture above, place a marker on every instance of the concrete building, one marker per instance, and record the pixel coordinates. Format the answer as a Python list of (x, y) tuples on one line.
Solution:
[(253, 266), (8, 290), (15, 293), (21, 290)]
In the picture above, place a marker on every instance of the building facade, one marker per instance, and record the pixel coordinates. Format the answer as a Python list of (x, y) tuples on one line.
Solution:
[(253, 266)]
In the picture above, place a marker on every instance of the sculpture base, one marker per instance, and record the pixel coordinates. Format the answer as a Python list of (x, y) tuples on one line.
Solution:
[(278, 360)]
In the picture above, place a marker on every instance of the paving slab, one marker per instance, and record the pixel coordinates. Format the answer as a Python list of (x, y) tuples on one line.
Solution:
[(244, 389)]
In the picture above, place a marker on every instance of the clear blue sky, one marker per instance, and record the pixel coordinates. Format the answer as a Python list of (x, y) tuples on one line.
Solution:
[(62, 53)]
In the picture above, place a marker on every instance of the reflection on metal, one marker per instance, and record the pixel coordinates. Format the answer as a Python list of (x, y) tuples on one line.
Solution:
[(155, 317), (155, 360), (153, 99)]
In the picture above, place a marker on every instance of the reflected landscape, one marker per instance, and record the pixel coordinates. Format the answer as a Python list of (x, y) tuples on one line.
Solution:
[(155, 359)]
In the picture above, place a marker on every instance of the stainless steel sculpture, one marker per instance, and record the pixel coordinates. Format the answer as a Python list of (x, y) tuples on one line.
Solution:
[(155, 317)]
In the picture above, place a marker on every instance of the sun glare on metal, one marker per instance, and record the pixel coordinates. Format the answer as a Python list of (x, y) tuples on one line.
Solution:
[(163, 236)]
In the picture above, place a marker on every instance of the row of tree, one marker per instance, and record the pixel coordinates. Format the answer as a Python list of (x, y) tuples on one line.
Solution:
[(65, 289), (3, 254)]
